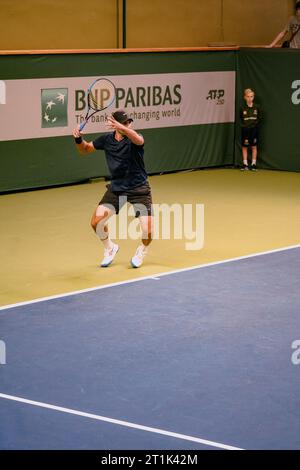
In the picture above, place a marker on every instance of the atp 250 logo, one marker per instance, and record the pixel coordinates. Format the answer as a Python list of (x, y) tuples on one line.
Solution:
[(217, 96)]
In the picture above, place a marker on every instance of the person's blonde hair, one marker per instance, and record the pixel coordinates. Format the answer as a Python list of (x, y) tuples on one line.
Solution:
[(248, 90)]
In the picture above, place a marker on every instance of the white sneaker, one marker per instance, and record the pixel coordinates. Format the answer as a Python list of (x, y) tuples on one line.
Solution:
[(109, 255), (138, 258)]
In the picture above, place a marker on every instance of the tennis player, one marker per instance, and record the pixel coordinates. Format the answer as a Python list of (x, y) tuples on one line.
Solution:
[(124, 152)]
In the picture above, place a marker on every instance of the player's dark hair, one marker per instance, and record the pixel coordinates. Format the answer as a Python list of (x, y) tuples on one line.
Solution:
[(297, 6)]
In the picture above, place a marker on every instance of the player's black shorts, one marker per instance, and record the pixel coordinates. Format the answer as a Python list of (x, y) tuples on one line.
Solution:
[(249, 136), (139, 197)]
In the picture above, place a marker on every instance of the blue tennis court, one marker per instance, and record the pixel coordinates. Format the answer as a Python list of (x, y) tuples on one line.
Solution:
[(195, 359)]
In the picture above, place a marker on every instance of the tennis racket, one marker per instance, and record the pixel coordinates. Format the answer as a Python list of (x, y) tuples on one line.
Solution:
[(100, 95)]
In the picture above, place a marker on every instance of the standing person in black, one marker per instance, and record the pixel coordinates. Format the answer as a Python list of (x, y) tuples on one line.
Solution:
[(250, 117), (124, 152)]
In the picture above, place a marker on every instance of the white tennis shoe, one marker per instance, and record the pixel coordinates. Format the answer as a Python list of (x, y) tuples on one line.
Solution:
[(109, 255), (138, 258)]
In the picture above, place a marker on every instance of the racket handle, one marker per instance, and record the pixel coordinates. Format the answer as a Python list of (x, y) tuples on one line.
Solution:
[(82, 125)]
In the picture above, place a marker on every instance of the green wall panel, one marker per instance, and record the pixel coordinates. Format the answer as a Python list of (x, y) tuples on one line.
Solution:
[(272, 73), (80, 65), (36, 163)]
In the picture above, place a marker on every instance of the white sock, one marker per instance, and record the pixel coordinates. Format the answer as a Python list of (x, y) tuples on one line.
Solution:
[(143, 248), (107, 243)]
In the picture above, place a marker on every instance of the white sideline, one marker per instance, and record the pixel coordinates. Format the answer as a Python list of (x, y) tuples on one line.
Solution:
[(119, 422)]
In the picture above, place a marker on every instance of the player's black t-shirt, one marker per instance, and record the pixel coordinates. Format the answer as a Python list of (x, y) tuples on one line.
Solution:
[(125, 161)]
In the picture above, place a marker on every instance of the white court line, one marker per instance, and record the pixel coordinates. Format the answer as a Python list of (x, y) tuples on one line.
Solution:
[(152, 276), (120, 423)]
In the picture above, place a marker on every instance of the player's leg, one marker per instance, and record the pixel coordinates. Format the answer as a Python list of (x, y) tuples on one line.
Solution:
[(146, 223), (108, 206), (141, 199), (99, 224), (99, 221)]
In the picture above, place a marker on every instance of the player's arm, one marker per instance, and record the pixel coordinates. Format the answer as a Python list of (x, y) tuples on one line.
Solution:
[(136, 138), (82, 145), (279, 37)]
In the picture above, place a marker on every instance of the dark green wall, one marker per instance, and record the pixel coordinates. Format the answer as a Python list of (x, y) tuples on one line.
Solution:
[(271, 73)]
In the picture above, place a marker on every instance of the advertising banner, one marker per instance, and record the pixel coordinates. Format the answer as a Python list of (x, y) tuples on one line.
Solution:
[(52, 107)]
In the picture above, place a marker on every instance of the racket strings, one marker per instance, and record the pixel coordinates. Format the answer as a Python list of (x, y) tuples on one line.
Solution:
[(101, 95), (95, 99)]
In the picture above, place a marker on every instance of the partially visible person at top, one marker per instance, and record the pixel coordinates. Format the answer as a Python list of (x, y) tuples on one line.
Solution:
[(291, 31), (124, 152), (250, 117)]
